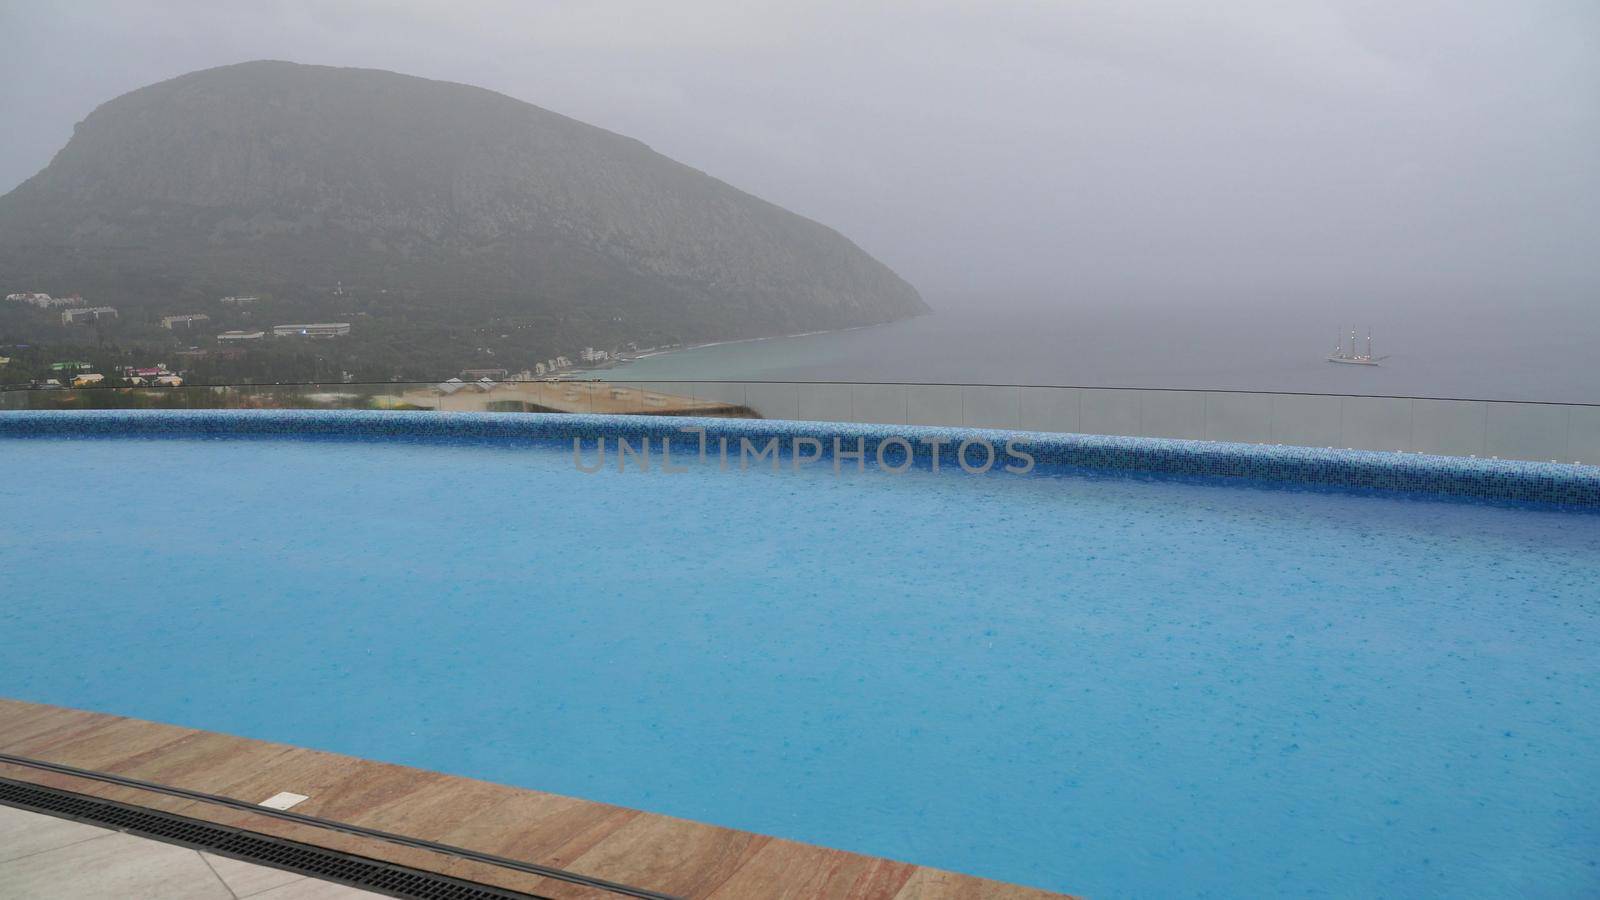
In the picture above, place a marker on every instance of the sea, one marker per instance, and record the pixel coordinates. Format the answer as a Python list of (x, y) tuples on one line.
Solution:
[(1494, 348)]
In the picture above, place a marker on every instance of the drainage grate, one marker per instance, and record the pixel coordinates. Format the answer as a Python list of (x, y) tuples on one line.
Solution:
[(550, 872), (328, 865)]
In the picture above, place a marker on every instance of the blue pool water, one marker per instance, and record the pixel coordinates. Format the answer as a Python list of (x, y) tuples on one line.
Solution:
[(1125, 687)]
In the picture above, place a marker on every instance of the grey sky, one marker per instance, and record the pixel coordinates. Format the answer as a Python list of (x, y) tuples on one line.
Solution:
[(1427, 147)]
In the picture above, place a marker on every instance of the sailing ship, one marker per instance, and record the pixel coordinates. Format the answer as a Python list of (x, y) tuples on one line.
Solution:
[(1351, 357)]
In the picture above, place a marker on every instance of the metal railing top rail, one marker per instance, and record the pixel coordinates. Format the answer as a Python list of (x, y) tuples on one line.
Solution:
[(370, 385)]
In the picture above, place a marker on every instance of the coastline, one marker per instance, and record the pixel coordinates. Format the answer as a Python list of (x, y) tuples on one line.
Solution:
[(775, 337)]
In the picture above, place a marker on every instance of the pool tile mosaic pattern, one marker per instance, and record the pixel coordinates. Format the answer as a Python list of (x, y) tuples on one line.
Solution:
[(1478, 479)]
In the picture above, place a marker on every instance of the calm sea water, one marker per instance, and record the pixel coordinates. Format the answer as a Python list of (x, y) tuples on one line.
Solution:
[(1482, 350), (1126, 687)]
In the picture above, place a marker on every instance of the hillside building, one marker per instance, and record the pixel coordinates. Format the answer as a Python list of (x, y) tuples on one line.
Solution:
[(45, 301), (317, 330), (87, 314), (183, 321)]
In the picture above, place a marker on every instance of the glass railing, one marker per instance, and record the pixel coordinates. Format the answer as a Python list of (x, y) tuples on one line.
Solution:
[(1559, 432)]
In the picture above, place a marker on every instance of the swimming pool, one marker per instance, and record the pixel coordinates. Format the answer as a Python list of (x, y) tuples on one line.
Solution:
[(1113, 683)]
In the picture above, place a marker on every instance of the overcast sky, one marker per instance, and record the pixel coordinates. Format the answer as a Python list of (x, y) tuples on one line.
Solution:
[(1413, 148)]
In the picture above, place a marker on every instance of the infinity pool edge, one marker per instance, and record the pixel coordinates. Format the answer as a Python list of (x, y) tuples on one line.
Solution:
[(1495, 480)]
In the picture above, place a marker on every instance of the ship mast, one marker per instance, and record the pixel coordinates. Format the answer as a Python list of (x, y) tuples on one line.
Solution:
[(1369, 343)]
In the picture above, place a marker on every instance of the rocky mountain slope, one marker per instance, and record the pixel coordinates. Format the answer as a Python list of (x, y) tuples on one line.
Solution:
[(454, 202)]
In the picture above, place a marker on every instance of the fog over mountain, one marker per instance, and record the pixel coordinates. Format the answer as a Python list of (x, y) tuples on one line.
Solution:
[(290, 177), (1415, 154)]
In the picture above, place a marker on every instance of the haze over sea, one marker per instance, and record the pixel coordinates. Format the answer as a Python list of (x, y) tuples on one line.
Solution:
[(1490, 347)]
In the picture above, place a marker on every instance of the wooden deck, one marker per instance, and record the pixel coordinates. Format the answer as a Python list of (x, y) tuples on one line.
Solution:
[(658, 853)]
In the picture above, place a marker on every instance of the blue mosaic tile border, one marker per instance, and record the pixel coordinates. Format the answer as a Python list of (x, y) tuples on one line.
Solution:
[(1479, 479)]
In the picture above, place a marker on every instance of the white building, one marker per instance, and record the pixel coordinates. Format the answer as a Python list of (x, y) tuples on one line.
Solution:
[(187, 321), (317, 330), (234, 336), (44, 301), (448, 388)]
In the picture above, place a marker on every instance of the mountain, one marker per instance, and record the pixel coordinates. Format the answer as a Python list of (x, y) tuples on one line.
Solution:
[(432, 201)]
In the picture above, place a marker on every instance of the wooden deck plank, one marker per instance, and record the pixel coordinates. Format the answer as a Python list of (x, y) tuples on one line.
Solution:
[(204, 761), (660, 853), (786, 870), (97, 744), (550, 828), (341, 788), (935, 884), (25, 725), (674, 856), (104, 744)]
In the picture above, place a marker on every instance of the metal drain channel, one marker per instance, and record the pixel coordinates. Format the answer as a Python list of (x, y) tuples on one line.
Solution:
[(261, 849), (10, 789)]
